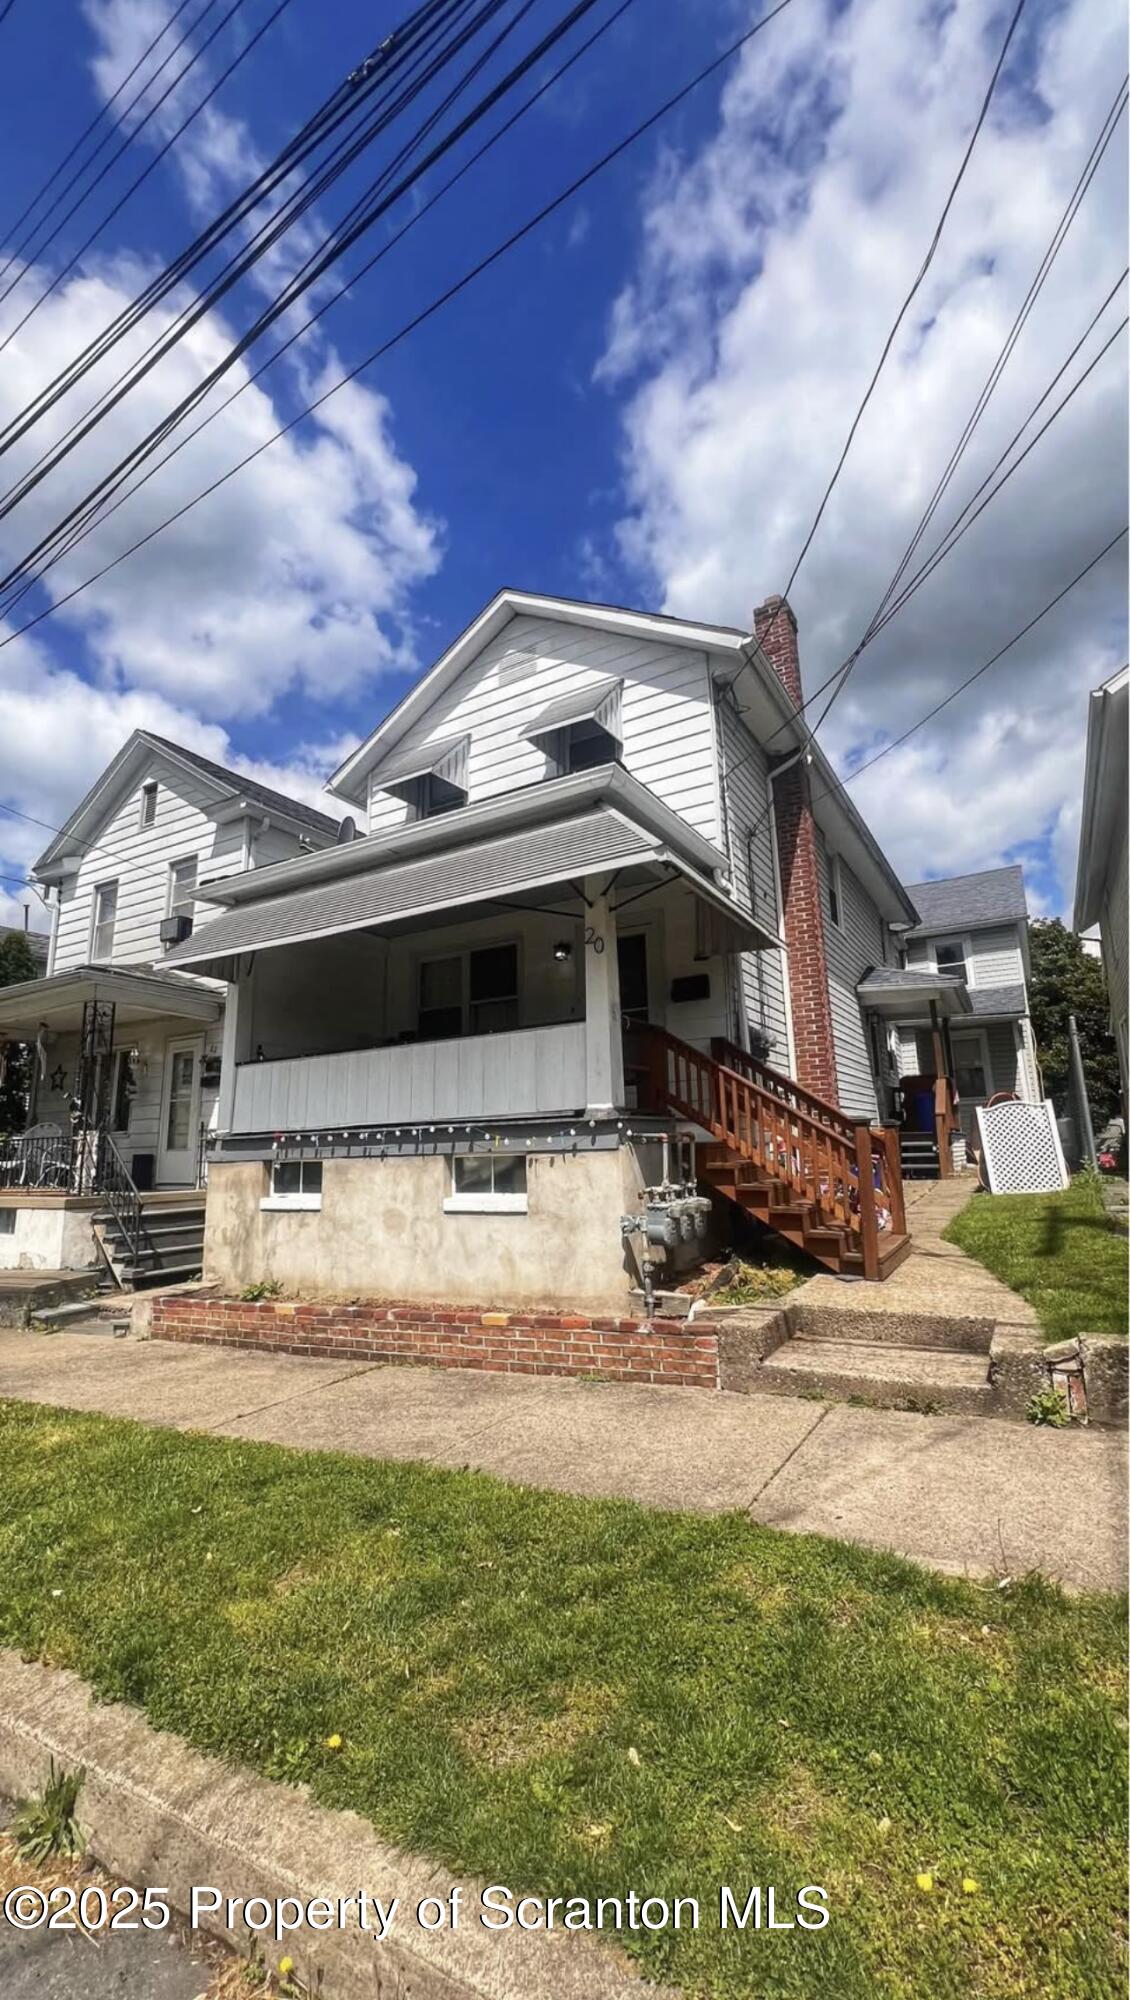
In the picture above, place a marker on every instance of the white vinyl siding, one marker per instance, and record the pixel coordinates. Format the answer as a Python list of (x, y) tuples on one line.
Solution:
[(748, 834), (149, 1039), (668, 731), (141, 858), (853, 946)]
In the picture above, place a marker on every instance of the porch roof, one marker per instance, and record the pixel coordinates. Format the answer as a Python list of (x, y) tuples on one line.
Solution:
[(518, 867), (902, 992), (136, 997)]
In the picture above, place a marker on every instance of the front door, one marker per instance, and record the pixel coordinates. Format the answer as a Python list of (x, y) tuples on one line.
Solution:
[(180, 1113), (971, 1075)]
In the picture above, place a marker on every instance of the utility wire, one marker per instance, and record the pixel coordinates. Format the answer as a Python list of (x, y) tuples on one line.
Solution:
[(841, 783), (419, 319), (367, 80), (38, 249), (1059, 237), (332, 252), (84, 135), (154, 162), (238, 267), (104, 513)]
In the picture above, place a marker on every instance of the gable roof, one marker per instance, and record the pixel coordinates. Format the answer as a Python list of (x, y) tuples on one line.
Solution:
[(350, 779), (967, 902), (134, 754)]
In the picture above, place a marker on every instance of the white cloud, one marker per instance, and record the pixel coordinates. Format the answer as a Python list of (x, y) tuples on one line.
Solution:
[(772, 262)]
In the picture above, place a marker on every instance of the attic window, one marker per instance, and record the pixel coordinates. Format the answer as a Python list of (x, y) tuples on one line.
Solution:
[(581, 730), (430, 779), (431, 794), (148, 803)]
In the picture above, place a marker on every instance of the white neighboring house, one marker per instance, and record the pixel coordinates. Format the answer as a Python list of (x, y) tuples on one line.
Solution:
[(605, 891), (1101, 885), (126, 1053), (957, 1010)]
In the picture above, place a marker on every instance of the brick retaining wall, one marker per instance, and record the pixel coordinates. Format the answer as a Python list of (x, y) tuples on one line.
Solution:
[(620, 1350)]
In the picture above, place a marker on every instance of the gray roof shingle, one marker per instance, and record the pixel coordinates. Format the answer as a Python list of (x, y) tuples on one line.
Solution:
[(966, 902), (249, 788), (998, 999)]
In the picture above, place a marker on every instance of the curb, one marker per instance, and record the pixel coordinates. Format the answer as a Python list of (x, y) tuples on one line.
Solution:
[(159, 1813)]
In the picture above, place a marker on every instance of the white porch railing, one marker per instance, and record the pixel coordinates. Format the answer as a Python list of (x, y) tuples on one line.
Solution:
[(520, 1074)]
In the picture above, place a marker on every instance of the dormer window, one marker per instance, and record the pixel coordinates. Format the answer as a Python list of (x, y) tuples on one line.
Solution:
[(430, 779), (581, 731), (148, 803)]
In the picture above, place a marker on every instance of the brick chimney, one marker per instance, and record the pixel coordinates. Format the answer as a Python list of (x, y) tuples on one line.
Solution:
[(803, 908)]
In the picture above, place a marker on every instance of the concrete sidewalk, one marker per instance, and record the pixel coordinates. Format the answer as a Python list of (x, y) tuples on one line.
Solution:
[(962, 1494)]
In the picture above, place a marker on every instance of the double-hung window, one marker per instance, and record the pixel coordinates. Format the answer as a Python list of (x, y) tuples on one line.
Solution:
[(482, 1182), (182, 888), (105, 914), (949, 956)]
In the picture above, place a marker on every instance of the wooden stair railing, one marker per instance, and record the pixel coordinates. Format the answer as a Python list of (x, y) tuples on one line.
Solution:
[(847, 1175), (779, 1085)]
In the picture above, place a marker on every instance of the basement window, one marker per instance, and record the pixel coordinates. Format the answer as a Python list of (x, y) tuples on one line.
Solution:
[(485, 1183), (7, 1221), (295, 1184)]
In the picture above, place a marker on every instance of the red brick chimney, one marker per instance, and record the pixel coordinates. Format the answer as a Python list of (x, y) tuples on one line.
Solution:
[(803, 907)]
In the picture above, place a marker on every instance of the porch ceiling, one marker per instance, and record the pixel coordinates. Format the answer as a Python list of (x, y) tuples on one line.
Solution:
[(530, 867), (136, 997)]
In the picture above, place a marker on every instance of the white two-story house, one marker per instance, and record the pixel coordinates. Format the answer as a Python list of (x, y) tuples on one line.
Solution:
[(602, 893), (125, 1053), (956, 1013)]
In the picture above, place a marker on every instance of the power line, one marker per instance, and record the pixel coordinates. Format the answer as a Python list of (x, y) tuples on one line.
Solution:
[(428, 312), (841, 783), (84, 135), (1043, 271), (154, 162), (332, 249), (98, 518), (367, 81), (39, 248)]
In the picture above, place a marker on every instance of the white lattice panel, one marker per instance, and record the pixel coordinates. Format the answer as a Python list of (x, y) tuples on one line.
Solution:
[(1020, 1148)]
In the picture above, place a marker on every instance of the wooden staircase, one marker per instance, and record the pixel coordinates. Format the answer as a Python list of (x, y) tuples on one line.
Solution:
[(828, 1185)]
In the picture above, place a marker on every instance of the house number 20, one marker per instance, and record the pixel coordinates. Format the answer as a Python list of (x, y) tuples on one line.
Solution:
[(593, 939)]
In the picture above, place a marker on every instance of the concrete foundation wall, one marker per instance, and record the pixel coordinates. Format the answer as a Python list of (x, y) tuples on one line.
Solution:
[(47, 1238), (381, 1232)]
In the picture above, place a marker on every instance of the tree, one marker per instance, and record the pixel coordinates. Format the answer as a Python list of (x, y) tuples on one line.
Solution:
[(1067, 980), (16, 964)]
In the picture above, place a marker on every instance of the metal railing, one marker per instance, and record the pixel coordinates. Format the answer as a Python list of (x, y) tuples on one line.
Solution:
[(116, 1186), (41, 1163)]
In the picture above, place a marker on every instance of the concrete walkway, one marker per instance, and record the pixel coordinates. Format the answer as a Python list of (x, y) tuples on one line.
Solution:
[(962, 1494), (937, 1279)]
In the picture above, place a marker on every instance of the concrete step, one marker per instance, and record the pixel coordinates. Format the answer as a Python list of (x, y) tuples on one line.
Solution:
[(903, 1325), (884, 1376)]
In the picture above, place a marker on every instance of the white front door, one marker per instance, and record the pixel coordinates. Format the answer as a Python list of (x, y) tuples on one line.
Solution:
[(180, 1113)]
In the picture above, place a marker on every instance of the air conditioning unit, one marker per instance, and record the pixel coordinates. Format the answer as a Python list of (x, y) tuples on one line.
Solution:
[(174, 930)]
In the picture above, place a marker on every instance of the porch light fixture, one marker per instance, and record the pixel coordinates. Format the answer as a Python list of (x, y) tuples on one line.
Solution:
[(562, 951)]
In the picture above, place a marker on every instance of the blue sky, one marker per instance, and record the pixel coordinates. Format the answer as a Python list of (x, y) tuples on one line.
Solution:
[(641, 403)]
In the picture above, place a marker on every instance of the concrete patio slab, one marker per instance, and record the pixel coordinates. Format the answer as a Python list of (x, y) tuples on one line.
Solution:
[(961, 1494)]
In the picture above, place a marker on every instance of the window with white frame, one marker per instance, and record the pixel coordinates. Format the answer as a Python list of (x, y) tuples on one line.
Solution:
[(468, 993), (182, 888), (148, 803), (105, 915), (294, 1184), (949, 955), (487, 1181)]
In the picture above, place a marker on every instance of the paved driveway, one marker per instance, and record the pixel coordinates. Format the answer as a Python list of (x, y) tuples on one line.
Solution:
[(962, 1494)]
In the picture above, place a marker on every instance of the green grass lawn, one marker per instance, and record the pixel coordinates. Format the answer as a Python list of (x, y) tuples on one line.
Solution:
[(583, 1696), (1059, 1251)]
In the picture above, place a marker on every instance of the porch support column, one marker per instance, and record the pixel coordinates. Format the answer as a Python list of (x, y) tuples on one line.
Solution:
[(604, 1041), (236, 1042)]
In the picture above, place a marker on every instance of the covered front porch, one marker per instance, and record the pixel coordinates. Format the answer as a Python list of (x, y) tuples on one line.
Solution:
[(122, 1076), (940, 1056)]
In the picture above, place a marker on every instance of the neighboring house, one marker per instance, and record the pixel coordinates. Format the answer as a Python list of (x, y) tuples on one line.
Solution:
[(1101, 880), (38, 942), (605, 893), (956, 1012), (126, 1053)]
